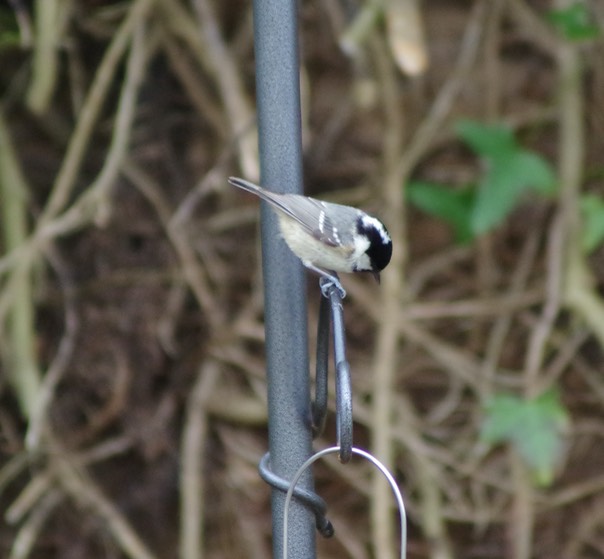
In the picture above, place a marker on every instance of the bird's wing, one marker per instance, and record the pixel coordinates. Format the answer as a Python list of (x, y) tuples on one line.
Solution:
[(311, 214), (308, 212)]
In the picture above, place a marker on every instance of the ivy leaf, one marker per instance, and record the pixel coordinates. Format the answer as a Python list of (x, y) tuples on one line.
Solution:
[(574, 23), (486, 140), (592, 209), (451, 205), (508, 177), (535, 427), (511, 171)]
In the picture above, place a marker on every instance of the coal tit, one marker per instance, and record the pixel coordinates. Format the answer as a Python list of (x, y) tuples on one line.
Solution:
[(327, 237)]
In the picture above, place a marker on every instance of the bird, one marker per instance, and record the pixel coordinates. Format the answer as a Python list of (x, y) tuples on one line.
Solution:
[(328, 238)]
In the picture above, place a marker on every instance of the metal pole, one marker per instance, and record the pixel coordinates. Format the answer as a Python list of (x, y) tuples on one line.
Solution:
[(278, 104)]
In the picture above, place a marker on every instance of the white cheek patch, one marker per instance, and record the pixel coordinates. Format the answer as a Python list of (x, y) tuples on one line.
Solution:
[(369, 221), (363, 264), (361, 244)]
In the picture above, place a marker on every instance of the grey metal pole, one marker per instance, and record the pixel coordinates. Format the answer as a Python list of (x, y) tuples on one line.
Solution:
[(279, 126)]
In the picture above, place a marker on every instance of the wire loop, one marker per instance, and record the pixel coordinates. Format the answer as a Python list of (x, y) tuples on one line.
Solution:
[(330, 311), (376, 463), (309, 498)]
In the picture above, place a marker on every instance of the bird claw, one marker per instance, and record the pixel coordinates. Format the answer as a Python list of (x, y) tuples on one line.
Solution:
[(329, 283)]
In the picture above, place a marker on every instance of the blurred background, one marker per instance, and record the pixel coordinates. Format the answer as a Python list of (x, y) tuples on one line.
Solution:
[(132, 381)]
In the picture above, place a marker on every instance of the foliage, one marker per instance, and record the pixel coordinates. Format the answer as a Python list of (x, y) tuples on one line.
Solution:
[(574, 23), (592, 210), (9, 34), (510, 172), (450, 205), (534, 427)]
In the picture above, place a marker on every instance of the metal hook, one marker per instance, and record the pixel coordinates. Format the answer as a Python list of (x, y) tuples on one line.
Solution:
[(319, 405), (330, 310), (332, 301), (376, 463), (309, 498)]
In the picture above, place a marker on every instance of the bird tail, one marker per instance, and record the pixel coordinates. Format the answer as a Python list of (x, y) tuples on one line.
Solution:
[(290, 205), (271, 197), (247, 186)]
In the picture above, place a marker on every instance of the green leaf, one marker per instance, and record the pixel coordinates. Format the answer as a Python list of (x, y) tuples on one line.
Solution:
[(450, 205), (486, 139), (574, 22), (9, 39), (510, 172), (9, 32), (536, 428), (508, 177), (592, 210)]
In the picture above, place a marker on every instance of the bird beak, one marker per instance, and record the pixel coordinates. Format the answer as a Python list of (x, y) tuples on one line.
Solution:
[(376, 275)]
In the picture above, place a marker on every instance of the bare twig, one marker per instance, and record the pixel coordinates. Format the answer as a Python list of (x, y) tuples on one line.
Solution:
[(207, 108), (504, 320), (523, 512), (538, 341), (211, 52), (80, 139), (30, 530), (513, 302), (50, 224), (386, 350), (585, 528), (579, 290), (46, 53), (448, 93), (534, 25), (192, 507), (81, 488), (195, 274), (16, 302), (227, 76), (65, 350)]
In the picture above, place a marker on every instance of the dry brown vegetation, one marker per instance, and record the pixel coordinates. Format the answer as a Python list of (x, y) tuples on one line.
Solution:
[(132, 395)]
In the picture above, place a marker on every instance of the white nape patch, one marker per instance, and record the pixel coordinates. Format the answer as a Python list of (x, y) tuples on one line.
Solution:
[(369, 221)]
